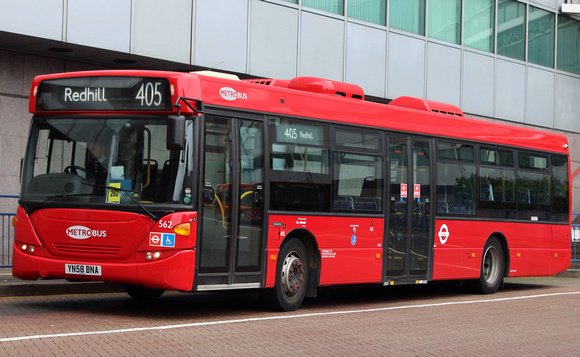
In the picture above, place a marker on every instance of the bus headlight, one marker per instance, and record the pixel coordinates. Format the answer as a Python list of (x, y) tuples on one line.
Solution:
[(150, 256)]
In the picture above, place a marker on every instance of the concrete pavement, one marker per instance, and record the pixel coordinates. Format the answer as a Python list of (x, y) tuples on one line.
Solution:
[(12, 287)]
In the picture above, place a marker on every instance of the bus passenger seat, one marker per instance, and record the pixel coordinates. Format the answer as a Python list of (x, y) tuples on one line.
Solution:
[(342, 203)]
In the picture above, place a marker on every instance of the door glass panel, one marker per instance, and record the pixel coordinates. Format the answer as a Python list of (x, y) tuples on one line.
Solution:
[(251, 208), (216, 209), (421, 214), (397, 242)]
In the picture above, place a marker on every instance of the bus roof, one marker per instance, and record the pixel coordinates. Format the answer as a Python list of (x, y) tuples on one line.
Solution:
[(324, 99)]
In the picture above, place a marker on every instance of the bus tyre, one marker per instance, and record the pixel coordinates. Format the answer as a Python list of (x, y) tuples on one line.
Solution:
[(142, 293), (492, 268), (291, 277)]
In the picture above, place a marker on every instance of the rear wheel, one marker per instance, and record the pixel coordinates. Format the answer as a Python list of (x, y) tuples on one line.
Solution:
[(492, 268), (291, 277), (142, 293)]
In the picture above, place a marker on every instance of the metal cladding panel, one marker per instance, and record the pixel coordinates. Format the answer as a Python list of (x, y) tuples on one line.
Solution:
[(321, 47), (510, 94), (444, 74), (478, 83), (100, 23), (406, 66), (366, 58), (540, 98), (39, 18), (161, 32), (220, 35), (274, 44), (567, 103)]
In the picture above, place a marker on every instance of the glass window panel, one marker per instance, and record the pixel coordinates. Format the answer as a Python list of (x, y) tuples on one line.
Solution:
[(497, 188), (531, 161), (455, 152), (358, 183), (568, 45), (479, 24), (533, 196), (541, 37), (456, 189), (291, 1), (334, 6), (496, 157), (511, 29), (407, 15), (445, 20), (368, 10), (497, 185), (560, 189), (357, 140)]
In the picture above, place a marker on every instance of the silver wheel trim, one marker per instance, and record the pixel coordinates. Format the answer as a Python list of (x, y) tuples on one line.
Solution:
[(490, 269), (292, 274)]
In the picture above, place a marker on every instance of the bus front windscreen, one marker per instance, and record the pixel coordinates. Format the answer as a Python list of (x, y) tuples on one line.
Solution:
[(114, 161)]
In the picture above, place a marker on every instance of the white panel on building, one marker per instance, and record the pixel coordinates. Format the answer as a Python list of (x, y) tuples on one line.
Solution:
[(321, 47), (478, 83), (39, 18), (274, 45), (510, 93), (567, 103), (220, 36), (540, 97), (444, 74), (366, 58), (550, 4), (99, 23), (162, 29), (406, 67)]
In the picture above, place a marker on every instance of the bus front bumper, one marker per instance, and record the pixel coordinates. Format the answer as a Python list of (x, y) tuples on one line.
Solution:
[(175, 272)]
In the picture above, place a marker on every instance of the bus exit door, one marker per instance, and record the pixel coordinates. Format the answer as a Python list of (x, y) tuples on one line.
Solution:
[(408, 250), (230, 241)]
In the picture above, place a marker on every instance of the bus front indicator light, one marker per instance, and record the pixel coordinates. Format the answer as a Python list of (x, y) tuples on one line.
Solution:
[(183, 229)]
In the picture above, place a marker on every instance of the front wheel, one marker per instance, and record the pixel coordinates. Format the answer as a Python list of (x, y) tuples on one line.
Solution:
[(291, 277), (492, 268)]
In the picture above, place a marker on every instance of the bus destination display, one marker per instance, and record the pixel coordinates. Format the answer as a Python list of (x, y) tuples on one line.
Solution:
[(104, 94)]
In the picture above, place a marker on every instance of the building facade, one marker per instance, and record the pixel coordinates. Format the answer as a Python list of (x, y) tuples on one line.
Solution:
[(507, 60)]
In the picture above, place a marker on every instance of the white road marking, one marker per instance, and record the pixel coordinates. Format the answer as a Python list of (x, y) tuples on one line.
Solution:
[(282, 317)]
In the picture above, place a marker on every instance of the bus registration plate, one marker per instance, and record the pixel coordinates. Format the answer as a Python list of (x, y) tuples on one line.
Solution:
[(82, 269)]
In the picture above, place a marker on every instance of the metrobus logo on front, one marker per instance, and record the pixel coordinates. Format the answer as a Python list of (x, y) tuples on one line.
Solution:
[(82, 232)]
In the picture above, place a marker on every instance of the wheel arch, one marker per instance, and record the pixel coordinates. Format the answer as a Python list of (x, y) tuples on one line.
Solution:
[(314, 259), (506, 253)]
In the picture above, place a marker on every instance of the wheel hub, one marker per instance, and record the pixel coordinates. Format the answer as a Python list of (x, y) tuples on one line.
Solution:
[(292, 275)]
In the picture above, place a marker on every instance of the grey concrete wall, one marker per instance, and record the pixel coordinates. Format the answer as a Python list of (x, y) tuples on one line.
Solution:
[(16, 73)]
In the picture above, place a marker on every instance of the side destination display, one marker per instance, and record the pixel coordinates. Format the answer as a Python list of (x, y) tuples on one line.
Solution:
[(104, 94)]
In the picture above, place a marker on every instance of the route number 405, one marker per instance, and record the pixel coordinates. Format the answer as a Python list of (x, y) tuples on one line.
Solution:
[(149, 94)]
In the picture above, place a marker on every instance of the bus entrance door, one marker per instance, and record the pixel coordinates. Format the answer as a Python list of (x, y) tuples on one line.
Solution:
[(408, 248), (230, 243)]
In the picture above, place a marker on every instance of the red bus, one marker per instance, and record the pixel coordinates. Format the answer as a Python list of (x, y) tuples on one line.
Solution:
[(191, 182)]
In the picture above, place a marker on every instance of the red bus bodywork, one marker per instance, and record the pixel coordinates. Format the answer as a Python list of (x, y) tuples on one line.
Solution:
[(534, 248)]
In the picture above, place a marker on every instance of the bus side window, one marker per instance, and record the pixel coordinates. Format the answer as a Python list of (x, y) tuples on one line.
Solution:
[(357, 183), (456, 179)]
